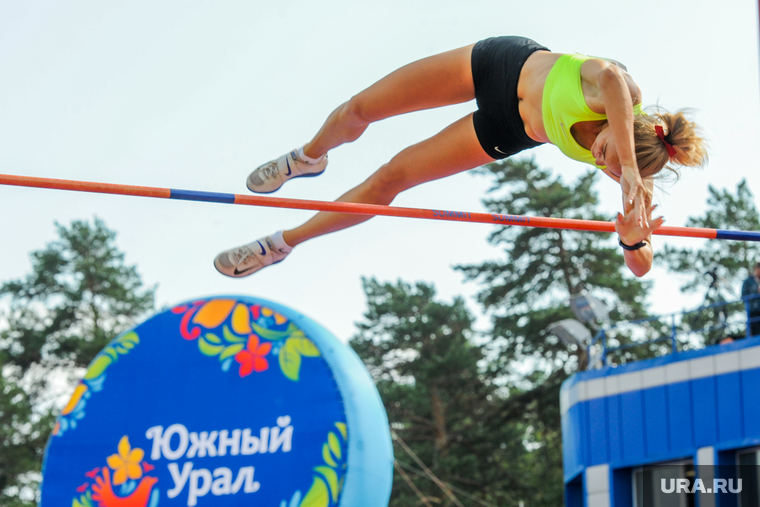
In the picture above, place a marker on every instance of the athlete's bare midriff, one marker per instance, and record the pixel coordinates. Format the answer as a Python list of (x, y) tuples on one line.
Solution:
[(530, 92)]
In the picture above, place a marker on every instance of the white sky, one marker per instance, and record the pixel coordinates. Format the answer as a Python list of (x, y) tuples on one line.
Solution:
[(194, 95)]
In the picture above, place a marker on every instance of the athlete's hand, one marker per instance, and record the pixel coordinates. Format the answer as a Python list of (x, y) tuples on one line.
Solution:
[(631, 231), (635, 195)]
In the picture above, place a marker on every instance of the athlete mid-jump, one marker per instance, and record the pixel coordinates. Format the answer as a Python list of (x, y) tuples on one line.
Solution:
[(590, 108)]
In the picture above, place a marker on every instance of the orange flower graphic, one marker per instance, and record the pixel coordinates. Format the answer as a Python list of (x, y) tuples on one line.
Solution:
[(126, 464), (252, 358)]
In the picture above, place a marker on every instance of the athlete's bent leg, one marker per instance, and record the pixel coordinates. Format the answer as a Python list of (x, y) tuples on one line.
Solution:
[(453, 150), (436, 81)]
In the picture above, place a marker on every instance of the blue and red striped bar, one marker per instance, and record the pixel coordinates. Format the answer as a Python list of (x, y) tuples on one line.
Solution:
[(362, 209)]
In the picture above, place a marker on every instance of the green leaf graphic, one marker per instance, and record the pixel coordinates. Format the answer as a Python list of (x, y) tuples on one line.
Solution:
[(231, 337), (304, 346), (332, 480), (327, 457), (121, 345), (208, 349), (98, 367), (290, 361), (343, 430), (292, 330), (317, 496), (270, 334), (130, 338), (334, 444), (231, 351), (212, 338), (84, 501)]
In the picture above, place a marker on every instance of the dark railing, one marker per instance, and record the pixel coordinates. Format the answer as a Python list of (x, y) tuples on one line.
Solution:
[(674, 332)]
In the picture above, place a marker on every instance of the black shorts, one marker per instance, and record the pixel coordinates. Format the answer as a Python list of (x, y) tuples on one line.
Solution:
[(496, 66)]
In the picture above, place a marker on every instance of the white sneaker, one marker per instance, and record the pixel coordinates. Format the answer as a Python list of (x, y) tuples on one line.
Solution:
[(247, 259), (270, 176)]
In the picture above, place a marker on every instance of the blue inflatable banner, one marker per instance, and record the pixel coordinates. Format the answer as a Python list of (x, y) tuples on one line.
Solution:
[(222, 401)]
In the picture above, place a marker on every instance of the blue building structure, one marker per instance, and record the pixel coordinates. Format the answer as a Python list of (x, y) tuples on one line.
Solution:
[(688, 409)]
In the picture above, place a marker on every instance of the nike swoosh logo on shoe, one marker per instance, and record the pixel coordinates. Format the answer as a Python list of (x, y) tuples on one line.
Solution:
[(238, 273), (289, 171), (263, 251)]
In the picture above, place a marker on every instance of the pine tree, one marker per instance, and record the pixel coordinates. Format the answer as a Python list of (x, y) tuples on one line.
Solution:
[(440, 399), (22, 440), (716, 268), (530, 287), (483, 411), (78, 297)]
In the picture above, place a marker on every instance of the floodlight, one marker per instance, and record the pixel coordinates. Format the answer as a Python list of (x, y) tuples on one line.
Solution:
[(571, 331), (588, 309)]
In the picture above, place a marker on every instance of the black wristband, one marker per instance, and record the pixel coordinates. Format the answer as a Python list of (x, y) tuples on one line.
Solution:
[(631, 248)]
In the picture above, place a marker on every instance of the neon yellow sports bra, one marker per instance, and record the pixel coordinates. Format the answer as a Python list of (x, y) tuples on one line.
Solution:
[(563, 105)]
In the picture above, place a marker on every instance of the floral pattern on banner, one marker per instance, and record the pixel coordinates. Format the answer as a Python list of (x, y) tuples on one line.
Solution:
[(328, 478), (93, 381), (130, 474), (247, 337)]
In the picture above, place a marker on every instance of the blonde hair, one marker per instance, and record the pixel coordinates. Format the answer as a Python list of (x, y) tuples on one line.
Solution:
[(682, 134)]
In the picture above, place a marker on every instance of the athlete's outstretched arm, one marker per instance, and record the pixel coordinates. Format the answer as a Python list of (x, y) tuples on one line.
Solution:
[(631, 232), (616, 94)]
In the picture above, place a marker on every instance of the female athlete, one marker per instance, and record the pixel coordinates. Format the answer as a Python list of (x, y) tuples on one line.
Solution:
[(526, 95)]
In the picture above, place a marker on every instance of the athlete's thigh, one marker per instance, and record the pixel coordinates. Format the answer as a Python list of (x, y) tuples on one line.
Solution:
[(436, 81), (451, 151)]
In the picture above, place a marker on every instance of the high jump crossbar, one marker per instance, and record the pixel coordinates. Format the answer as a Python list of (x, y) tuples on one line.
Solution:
[(362, 209)]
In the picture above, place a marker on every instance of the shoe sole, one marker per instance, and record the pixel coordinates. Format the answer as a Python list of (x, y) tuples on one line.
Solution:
[(309, 175), (227, 274), (246, 275)]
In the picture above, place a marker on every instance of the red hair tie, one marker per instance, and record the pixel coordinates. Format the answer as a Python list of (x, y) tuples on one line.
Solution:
[(668, 146)]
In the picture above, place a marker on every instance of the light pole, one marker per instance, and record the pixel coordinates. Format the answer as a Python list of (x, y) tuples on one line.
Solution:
[(588, 310), (573, 332)]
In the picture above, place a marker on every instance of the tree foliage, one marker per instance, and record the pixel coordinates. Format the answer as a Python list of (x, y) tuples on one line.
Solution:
[(731, 260), (483, 411), (529, 288), (716, 268), (442, 400), (78, 297)]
